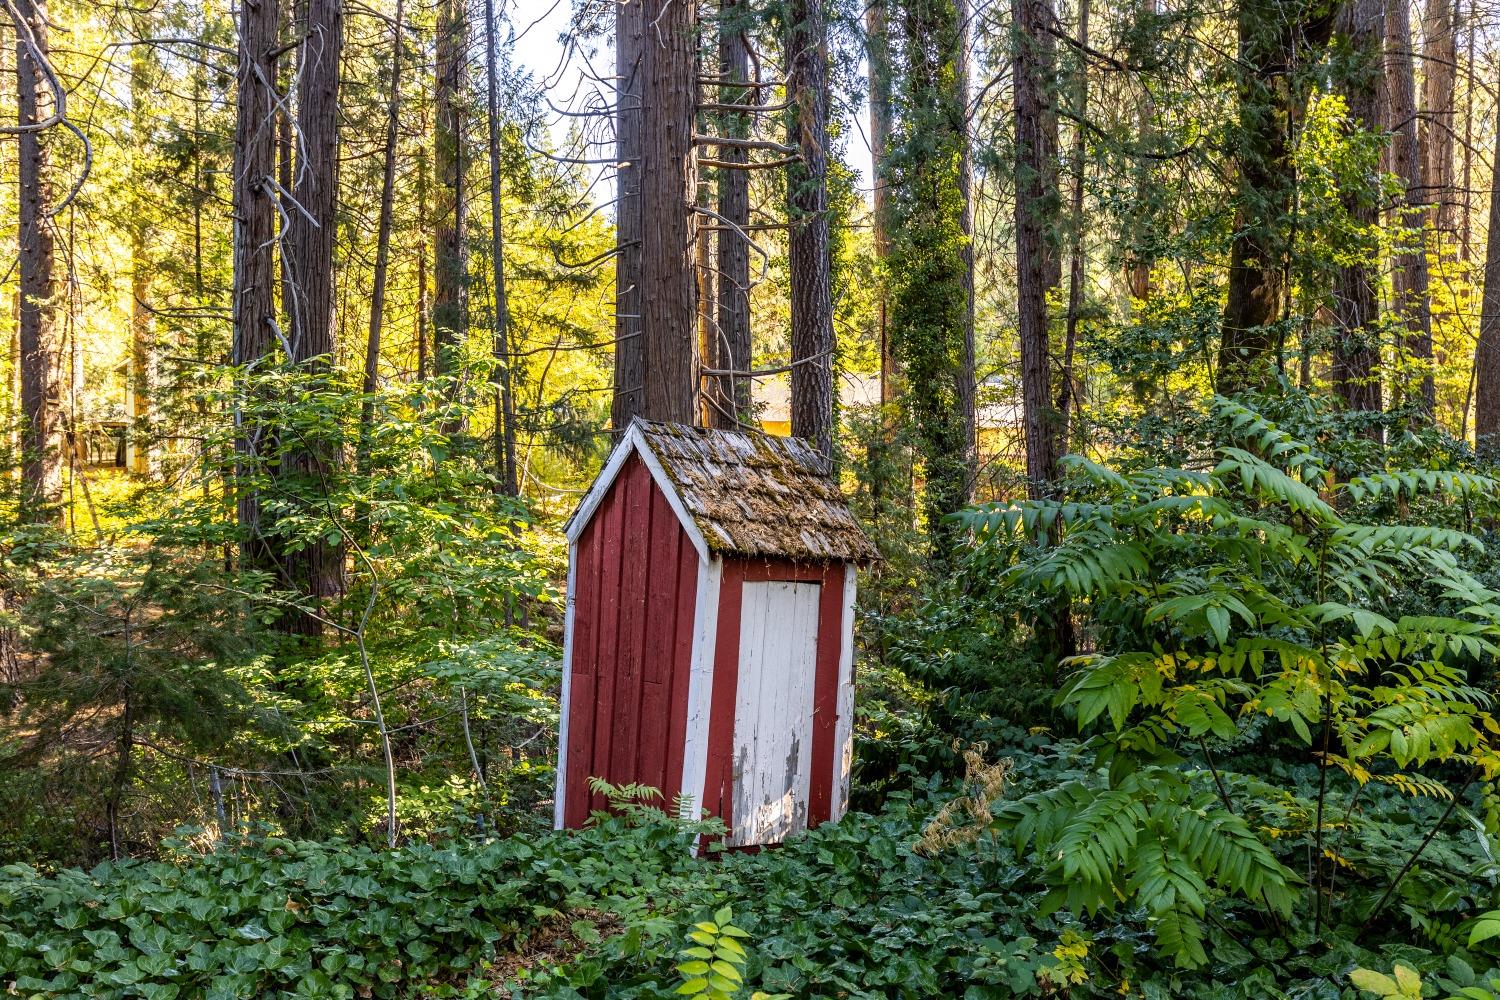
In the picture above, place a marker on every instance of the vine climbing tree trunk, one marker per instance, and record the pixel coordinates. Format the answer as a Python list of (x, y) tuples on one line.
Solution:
[(808, 243), (930, 284)]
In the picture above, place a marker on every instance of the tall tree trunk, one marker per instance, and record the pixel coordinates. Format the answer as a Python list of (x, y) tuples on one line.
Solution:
[(254, 199), (505, 410), (1487, 351), (450, 160), (1409, 283), (316, 568), (878, 53), (809, 263), (382, 246), (668, 226), (1278, 39), (731, 343), (1036, 241), (1436, 135), (142, 327), (1075, 234), (630, 96), (1356, 349), (424, 305), (1138, 264), (41, 470), (1466, 206), (292, 24)]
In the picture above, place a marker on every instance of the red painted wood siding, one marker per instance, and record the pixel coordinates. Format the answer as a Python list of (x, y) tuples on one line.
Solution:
[(635, 583), (718, 796)]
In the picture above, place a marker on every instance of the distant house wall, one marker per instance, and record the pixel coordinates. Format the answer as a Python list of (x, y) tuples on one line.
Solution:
[(633, 587)]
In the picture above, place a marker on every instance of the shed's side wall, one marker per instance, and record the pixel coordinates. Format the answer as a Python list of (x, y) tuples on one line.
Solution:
[(825, 801), (635, 578)]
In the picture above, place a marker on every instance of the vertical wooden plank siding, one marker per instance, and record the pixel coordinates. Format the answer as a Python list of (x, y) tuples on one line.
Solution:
[(609, 524), (843, 727), (635, 581), (681, 653), (564, 708), (582, 677), (825, 705), (635, 549)]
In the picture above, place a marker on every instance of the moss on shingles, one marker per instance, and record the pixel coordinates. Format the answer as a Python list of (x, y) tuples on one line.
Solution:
[(754, 494)]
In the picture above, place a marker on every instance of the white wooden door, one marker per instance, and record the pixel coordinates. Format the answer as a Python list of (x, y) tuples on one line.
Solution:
[(773, 718)]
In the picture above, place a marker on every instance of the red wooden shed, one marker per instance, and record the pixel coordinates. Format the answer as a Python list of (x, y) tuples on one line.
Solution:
[(708, 649)]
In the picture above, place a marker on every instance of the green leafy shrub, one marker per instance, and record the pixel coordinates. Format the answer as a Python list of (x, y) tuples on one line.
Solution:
[(275, 917), (1226, 600)]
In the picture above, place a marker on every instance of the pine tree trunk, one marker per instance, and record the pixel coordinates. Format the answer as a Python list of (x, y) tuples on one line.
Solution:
[(1065, 401), (142, 327), (450, 161), (1487, 351), (1436, 138), (316, 569), (382, 246), (1409, 283), (424, 304), (878, 52), (1036, 190), (255, 275), (1356, 349), (630, 89), (731, 342), (1138, 265), (41, 470), (808, 244), (1277, 40), (505, 411), (1466, 189), (668, 228)]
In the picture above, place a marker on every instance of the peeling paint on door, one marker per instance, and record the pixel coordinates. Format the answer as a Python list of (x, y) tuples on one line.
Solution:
[(773, 720)]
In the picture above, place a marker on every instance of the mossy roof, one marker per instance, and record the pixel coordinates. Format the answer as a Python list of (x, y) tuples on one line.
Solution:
[(754, 494)]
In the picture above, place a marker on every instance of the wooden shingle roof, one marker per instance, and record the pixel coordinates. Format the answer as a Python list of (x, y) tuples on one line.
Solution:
[(744, 493)]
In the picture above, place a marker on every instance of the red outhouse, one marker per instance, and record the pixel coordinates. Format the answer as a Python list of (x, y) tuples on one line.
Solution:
[(708, 648)]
